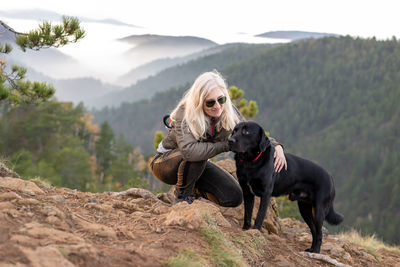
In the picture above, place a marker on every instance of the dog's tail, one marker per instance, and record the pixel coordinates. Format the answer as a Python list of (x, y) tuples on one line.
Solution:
[(332, 217)]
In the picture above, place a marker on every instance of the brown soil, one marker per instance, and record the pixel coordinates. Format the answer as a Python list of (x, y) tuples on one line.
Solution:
[(48, 226)]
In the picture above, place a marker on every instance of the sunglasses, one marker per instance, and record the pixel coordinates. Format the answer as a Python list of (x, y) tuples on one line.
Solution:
[(221, 100)]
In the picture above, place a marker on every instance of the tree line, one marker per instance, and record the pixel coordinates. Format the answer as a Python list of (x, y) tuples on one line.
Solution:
[(331, 100)]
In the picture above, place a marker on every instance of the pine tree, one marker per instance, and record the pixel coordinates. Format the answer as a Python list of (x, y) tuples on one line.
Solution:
[(249, 109), (14, 89), (104, 149)]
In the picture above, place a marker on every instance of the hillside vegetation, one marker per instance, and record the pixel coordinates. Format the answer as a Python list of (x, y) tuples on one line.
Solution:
[(59, 142), (336, 101), (332, 100)]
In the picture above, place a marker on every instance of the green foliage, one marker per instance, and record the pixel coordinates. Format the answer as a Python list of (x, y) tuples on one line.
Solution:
[(185, 258), (287, 208), (48, 35), (235, 94), (13, 88), (104, 153), (123, 169), (5, 49), (51, 141), (44, 141), (158, 137), (72, 164), (248, 109), (223, 251), (335, 101)]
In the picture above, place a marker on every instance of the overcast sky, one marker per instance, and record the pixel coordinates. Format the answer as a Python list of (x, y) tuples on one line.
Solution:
[(365, 18)]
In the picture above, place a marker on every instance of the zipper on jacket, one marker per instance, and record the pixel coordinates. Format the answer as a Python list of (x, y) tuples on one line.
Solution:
[(212, 127)]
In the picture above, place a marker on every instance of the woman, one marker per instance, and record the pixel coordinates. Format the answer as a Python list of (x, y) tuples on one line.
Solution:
[(201, 125)]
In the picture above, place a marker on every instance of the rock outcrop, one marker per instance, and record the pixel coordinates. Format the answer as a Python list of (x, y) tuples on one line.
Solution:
[(47, 226)]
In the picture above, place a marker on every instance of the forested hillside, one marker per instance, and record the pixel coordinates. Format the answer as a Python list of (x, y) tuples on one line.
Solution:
[(336, 101), (58, 142), (332, 100)]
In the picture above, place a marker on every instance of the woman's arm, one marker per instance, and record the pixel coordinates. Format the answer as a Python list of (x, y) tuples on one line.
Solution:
[(280, 159), (193, 150)]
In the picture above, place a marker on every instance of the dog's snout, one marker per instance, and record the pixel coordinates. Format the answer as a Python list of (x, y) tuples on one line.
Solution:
[(232, 140)]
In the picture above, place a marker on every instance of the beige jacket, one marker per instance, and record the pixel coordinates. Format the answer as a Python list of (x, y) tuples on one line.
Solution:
[(215, 142)]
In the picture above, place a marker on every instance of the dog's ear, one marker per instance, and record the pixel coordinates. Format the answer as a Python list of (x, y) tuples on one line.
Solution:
[(264, 141)]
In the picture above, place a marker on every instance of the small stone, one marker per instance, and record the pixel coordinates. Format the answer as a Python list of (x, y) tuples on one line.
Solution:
[(93, 200), (58, 198), (6, 206), (28, 201), (27, 187), (52, 220), (9, 196), (195, 216)]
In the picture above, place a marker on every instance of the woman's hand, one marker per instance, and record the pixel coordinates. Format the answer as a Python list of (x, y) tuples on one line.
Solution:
[(280, 160)]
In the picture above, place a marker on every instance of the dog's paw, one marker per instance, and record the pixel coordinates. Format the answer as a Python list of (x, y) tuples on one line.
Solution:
[(246, 226), (256, 227), (312, 250)]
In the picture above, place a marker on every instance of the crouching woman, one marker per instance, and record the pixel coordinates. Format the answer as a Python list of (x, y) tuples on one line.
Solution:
[(201, 125)]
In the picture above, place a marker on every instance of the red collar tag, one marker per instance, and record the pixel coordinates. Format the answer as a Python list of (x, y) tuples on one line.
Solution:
[(259, 155)]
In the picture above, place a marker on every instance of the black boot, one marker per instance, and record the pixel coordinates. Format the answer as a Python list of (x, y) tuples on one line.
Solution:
[(188, 199)]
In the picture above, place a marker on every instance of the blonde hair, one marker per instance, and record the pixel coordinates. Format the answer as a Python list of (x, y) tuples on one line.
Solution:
[(193, 101)]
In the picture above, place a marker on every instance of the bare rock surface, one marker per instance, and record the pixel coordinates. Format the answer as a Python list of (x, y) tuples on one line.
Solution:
[(48, 226)]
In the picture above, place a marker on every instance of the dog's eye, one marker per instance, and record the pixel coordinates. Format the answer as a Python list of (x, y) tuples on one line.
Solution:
[(245, 132)]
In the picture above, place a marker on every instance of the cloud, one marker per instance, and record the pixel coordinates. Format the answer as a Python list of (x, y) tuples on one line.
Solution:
[(41, 15)]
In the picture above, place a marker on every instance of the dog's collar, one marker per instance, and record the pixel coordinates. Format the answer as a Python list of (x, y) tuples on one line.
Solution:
[(259, 155)]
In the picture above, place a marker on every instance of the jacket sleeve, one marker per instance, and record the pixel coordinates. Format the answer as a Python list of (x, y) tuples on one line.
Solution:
[(193, 150), (273, 142)]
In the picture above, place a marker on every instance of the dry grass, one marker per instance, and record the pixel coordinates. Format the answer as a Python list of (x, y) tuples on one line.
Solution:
[(41, 182), (370, 243), (186, 258), (222, 250)]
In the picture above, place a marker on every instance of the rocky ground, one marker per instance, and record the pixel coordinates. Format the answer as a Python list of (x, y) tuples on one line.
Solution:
[(42, 225)]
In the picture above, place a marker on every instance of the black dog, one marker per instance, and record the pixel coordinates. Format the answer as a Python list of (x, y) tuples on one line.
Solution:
[(304, 181)]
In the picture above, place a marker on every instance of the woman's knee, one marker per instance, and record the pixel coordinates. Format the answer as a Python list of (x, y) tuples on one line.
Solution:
[(234, 199), (165, 167)]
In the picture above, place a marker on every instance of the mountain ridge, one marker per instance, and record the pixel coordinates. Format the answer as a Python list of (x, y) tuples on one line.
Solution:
[(296, 35)]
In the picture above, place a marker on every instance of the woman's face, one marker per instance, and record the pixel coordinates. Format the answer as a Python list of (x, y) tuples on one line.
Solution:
[(217, 109)]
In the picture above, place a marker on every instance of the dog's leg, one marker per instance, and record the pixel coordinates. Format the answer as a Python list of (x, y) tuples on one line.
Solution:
[(248, 197), (262, 210), (306, 211), (318, 221)]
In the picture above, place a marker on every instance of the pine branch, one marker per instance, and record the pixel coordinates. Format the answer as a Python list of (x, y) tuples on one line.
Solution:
[(10, 29), (47, 35), (13, 88)]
